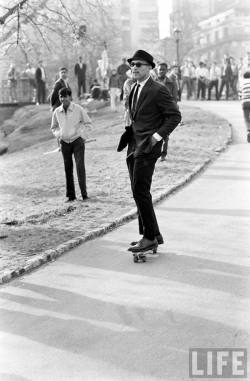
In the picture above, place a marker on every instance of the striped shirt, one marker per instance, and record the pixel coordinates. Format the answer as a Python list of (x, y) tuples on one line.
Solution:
[(244, 91)]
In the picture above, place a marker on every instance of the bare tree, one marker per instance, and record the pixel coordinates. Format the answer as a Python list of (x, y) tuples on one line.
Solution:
[(55, 28)]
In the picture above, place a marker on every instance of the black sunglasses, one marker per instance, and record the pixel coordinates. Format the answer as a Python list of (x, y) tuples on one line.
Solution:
[(137, 64)]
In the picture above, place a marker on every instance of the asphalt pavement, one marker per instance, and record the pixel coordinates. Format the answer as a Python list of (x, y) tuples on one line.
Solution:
[(94, 314)]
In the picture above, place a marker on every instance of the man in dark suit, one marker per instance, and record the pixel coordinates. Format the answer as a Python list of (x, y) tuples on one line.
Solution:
[(162, 78), (80, 73), (59, 84), (154, 115), (40, 77)]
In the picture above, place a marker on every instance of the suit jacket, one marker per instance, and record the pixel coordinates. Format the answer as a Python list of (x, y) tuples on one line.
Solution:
[(80, 72), (171, 86), (54, 97), (156, 111), (38, 75)]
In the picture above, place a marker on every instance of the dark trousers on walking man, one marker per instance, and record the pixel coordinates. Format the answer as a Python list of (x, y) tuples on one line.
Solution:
[(76, 149)]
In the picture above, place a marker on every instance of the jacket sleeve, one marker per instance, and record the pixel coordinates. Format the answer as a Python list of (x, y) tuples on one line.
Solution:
[(54, 94), (76, 69), (55, 128), (169, 110)]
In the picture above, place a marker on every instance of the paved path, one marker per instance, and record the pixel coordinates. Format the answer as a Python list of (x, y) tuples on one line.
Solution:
[(95, 315)]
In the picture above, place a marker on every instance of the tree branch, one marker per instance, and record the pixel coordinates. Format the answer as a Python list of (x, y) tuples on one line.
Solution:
[(11, 11)]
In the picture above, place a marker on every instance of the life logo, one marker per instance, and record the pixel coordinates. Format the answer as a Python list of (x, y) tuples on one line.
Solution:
[(218, 363)]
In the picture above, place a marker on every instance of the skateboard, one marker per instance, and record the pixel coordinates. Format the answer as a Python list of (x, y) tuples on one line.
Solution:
[(142, 256)]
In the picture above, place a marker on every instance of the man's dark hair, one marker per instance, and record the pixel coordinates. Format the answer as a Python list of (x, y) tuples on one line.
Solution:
[(63, 68), (64, 92), (246, 74), (163, 64)]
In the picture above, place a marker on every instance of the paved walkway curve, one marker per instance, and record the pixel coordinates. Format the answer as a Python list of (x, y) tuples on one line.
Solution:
[(95, 315)]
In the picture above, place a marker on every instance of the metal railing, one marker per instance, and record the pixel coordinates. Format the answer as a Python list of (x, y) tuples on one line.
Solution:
[(22, 90)]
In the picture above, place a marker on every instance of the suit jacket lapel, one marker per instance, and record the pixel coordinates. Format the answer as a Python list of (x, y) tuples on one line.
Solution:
[(144, 92)]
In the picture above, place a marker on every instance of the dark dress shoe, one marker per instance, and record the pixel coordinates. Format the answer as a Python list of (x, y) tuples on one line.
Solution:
[(159, 239), (70, 199), (143, 245), (85, 197)]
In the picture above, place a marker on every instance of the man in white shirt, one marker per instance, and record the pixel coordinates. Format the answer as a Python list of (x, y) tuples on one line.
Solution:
[(202, 77), (69, 123)]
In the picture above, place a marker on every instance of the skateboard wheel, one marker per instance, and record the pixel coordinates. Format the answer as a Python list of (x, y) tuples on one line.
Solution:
[(143, 259), (135, 259)]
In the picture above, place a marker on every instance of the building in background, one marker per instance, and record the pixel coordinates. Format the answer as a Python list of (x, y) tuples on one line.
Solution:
[(144, 24), (225, 33), (212, 29), (139, 24)]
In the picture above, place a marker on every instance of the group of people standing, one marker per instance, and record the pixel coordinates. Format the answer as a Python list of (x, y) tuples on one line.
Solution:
[(38, 81), (211, 81)]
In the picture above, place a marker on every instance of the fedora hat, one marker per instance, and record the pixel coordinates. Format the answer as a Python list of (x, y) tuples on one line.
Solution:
[(144, 56)]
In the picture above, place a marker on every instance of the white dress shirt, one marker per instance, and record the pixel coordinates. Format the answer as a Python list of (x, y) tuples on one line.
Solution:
[(142, 84)]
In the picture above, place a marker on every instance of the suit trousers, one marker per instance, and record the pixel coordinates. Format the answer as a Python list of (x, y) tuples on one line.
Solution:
[(81, 82), (76, 148), (41, 92), (141, 169)]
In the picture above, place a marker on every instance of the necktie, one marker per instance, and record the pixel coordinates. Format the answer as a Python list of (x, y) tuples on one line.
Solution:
[(135, 99)]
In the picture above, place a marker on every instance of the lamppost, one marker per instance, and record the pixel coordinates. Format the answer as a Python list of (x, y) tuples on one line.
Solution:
[(177, 36)]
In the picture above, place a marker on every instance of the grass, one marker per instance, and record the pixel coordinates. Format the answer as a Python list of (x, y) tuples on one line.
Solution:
[(34, 216)]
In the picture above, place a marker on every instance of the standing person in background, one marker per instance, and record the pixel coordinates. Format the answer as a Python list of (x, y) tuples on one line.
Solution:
[(214, 76), (202, 77), (226, 77), (244, 94), (193, 80), (154, 115), (59, 84), (235, 77), (173, 76), (186, 78), (30, 73), (12, 83), (80, 74), (40, 77), (69, 122), (162, 78), (121, 71), (114, 89)]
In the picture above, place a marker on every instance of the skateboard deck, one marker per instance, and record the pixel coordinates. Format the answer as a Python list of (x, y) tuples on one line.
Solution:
[(143, 256)]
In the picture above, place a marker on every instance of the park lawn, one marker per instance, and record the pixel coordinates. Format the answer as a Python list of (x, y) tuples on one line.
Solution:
[(35, 218)]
